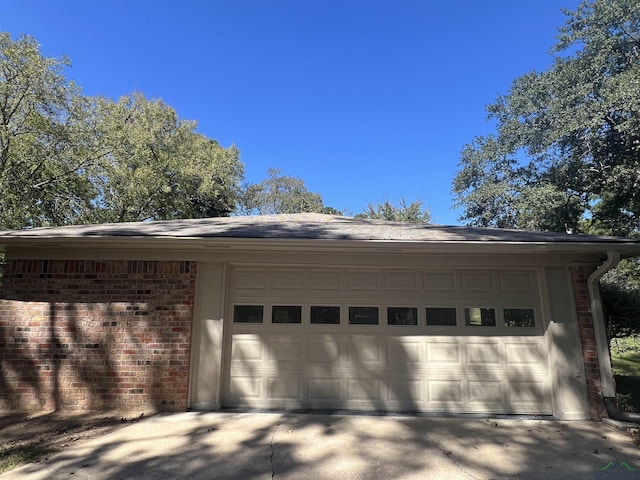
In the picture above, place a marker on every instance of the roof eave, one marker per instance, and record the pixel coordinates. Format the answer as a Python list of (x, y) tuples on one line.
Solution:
[(59, 243)]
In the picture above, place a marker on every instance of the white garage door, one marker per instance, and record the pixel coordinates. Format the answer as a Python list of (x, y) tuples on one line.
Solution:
[(413, 340)]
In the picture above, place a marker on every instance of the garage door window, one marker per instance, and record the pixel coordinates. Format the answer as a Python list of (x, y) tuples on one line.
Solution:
[(248, 313), (480, 317), (286, 314), (363, 315), (441, 316), (519, 317), (402, 316), (325, 315)]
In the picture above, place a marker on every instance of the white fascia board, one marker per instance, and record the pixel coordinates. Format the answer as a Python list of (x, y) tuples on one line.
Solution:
[(202, 244)]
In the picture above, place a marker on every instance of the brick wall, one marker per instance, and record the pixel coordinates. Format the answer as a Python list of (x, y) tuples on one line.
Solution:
[(83, 334), (588, 342)]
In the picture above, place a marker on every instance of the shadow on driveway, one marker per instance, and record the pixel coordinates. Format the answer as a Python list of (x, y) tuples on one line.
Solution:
[(224, 445)]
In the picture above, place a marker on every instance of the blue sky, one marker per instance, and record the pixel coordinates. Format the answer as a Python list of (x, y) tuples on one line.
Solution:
[(363, 100)]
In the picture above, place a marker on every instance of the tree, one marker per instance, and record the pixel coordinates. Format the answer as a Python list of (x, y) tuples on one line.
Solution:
[(156, 167), (40, 167), (279, 194), (67, 158), (621, 299), (413, 212), (566, 153)]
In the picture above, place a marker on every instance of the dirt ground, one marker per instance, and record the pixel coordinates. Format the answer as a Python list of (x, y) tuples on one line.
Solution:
[(27, 438)]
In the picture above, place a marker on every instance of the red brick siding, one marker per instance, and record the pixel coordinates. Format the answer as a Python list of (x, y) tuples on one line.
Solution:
[(84, 334), (588, 342)]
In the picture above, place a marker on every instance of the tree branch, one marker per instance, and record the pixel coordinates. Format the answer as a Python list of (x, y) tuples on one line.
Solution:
[(83, 164)]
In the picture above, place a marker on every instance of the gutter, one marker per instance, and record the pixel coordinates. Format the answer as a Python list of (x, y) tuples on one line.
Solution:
[(602, 343)]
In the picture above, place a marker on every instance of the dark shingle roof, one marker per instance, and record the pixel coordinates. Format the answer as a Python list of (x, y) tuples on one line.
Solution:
[(301, 227)]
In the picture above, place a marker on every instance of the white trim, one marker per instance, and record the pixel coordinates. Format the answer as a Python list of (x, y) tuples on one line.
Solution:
[(207, 346)]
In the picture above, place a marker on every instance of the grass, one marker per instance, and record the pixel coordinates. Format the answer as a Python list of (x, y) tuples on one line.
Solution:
[(625, 358), (13, 456)]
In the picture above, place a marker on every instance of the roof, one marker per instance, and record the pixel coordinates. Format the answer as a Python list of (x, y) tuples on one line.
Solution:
[(303, 226), (307, 227)]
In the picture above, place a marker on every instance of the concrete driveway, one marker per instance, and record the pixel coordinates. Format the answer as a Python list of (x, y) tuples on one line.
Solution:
[(194, 445)]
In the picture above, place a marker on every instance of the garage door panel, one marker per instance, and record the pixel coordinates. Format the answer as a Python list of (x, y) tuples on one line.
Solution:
[(249, 279), (363, 280), (245, 387), (364, 389), (444, 391), (517, 282), (325, 350), (284, 387), (288, 279), (401, 352), (479, 383), (286, 351), (457, 368), (325, 389), (530, 392), (525, 354), (247, 350), (324, 370), (325, 280), (401, 281), (440, 282), (444, 353), (487, 353), (477, 282), (405, 390), (365, 351), (486, 392)]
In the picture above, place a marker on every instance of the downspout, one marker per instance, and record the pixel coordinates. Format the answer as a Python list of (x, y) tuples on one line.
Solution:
[(602, 344)]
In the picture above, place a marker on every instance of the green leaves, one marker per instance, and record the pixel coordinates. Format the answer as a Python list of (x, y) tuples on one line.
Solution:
[(566, 151), (66, 158), (621, 299), (413, 212), (279, 194), (38, 172), (157, 167)]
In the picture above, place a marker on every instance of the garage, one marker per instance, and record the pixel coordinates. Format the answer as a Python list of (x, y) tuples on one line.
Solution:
[(306, 311), (386, 339)]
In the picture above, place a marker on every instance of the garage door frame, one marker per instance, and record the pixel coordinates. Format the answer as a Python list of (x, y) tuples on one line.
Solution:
[(568, 389)]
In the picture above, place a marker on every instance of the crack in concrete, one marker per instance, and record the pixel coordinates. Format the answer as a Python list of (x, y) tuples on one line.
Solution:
[(273, 434), (446, 453)]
